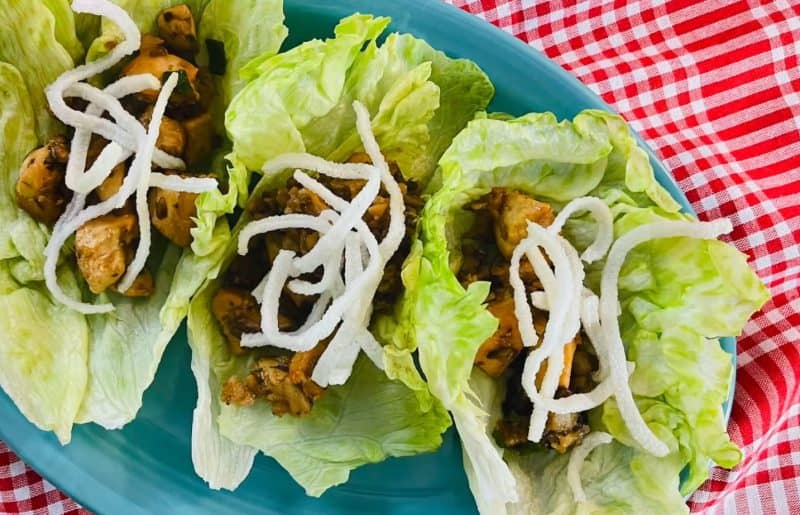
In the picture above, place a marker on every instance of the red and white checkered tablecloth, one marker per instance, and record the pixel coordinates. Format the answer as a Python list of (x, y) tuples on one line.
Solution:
[(714, 87)]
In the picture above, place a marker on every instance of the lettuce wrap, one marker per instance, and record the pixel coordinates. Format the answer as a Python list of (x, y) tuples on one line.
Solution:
[(302, 101), (677, 297), (59, 366)]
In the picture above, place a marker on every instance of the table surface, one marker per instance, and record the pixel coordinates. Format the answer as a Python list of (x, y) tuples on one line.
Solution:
[(714, 88)]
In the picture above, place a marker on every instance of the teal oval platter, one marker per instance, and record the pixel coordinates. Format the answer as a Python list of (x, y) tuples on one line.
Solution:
[(147, 468)]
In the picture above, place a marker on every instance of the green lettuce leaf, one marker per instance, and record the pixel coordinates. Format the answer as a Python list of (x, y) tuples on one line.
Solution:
[(312, 449), (364, 421), (219, 461), (212, 206), (44, 352), (246, 29), (266, 118), (418, 98), (87, 28), (44, 348), (65, 29), (127, 345), (21, 238), (319, 450), (629, 166), (616, 479), (677, 295), (703, 285), (29, 41), (535, 153)]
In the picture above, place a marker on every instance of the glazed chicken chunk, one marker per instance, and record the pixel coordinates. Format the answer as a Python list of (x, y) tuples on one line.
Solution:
[(41, 190), (176, 26), (171, 213), (499, 351), (511, 211), (142, 286), (156, 61), (171, 136), (104, 247), (200, 139), (237, 312), (284, 381)]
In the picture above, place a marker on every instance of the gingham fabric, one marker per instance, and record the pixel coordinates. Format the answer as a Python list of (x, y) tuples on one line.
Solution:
[(714, 87)]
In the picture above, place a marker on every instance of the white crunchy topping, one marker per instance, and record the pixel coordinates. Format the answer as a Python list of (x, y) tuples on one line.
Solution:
[(126, 137), (351, 258), (609, 296), (571, 306)]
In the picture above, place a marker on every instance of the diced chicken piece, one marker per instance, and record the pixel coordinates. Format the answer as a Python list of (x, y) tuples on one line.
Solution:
[(142, 286), (159, 66), (584, 365), (103, 247), (512, 432), (303, 200), (499, 351), (152, 45), (312, 390), (563, 431), (113, 182), (171, 214), (284, 381), (238, 312), (171, 135), (512, 211), (302, 364), (569, 354), (377, 216), (176, 26), (345, 188), (200, 138), (271, 380), (360, 157), (41, 190), (235, 392)]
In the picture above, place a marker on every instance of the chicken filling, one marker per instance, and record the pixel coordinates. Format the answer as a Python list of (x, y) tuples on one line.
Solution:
[(105, 246), (501, 222), (281, 377)]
